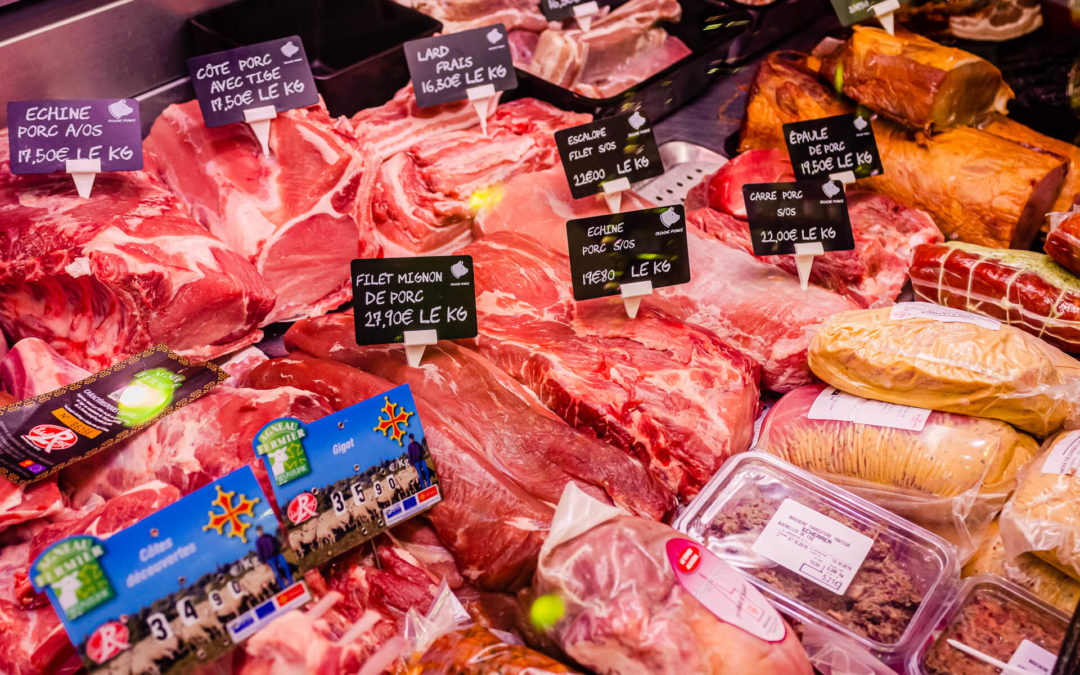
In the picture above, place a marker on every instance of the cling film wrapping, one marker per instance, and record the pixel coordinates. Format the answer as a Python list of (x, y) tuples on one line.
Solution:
[(1043, 516), (949, 473), (943, 359), (1042, 579)]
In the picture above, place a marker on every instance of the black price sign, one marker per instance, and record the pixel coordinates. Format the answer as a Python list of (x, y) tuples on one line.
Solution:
[(274, 73), (446, 68), (609, 251), (854, 11), (618, 150), (557, 10), (43, 135), (825, 147), (394, 295), (784, 214)]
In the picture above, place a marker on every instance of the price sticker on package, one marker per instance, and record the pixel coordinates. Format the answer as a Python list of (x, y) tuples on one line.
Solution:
[(841, 147), (783, 215), (609, 154), (472, 64)]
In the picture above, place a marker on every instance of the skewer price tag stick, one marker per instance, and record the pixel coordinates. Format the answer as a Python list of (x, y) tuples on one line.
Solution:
[(841, 148), (854, 11), (252, 84), (628, 254), (606, 156), (81, 137), (582, 11), (414, 301), (1005, 668), (806, 219), (473, 64)]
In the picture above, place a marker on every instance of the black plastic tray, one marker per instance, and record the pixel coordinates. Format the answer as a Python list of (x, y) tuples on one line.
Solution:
[(354, 45), (772, 23), (707, 28)]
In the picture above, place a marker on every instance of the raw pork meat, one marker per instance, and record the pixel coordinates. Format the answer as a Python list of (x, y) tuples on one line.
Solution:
[(620, 49), (103, 278), (290, 213), (672, 395), (33, 640), (530, 444), (751, 305), (424, 197), (626, 614), (491, 524), (459, 15), (886, 233), (29, 369)]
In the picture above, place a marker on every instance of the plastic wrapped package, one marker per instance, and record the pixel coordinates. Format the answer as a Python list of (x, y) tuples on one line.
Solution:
[(638, 598), (940, 358), (1021, 288), (1040, 578), (1043, 516), (996, 619), (915, 81), (946, 472), (823, 555), (1063, 240), (447, 642)]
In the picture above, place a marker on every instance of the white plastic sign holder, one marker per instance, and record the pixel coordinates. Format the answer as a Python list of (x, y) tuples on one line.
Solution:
[(480, 97), (632, 294), (884, 12), (415, 343), (584, 13), (613, 190), (259, 121), (805, 252), (83, 172)]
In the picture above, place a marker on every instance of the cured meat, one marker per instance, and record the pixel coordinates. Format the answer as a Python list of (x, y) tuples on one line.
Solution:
[(977, 187), (626, 614), (291, 213), (103, 278), (886, 233), (620, 49), (752, 306), (491, 524), (670, 394), (1069, 194), (1021, 288), (915, 81), (33, 641), (425, 196), (475, 650), (530, 444), (1063, 242)]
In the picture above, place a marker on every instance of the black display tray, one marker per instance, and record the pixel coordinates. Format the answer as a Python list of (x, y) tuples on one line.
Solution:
[(708, 28), (354, 45), (773, 23)]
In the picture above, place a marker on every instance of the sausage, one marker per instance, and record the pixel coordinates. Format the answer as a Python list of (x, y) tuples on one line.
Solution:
[(1063, 242)]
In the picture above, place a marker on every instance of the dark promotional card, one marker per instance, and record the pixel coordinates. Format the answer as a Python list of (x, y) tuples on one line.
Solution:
[(445, 67), (557, 10), (620, 147), (274, 73), (854, 11), (394, 295), (784, 214), (41, 435), (609, 251), (824, 147), (43, 135)]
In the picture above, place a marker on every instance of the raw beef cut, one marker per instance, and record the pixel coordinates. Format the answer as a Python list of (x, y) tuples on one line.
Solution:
[(1021, 288), (192, 446), (103, 278), (523, 438), (491, 524), (620, 49), (672, 395), (424, 196), (751, 305), (29, 369), (33, 640), (886, 233), (289, 213)]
